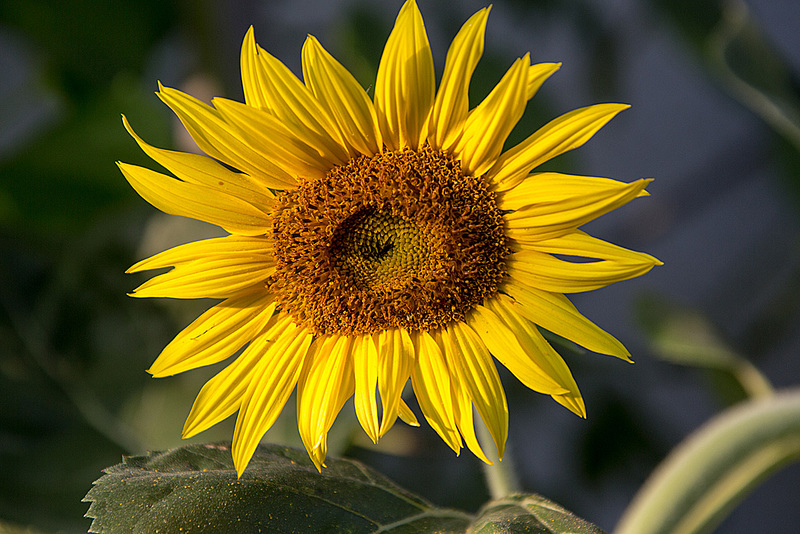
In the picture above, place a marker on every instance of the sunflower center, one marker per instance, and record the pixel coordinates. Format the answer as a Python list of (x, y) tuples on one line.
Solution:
[(379, 250), (399, 239)]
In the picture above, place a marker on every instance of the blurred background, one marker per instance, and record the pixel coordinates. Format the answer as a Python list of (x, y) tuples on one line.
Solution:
[(715, 120)]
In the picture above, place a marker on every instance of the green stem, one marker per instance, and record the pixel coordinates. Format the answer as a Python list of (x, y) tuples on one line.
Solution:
[(752, 380), (698, 484), (501, 477)]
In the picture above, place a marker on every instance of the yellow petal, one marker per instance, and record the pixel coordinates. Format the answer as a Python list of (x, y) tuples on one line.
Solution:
[(238, 246), (560, 135), (365, 366), (270, 385), (549, 204), (405, 413), (464, 417), (214, 137), (451, 105), (503, 345), (582, 245), (338, 397), (404, 88), (212, 268), (554, 312), (489, 124), (540, 350), (466, 353), (431, 380), (395, 361), (277, 90), (537, 75), (341, 395), (553, 191), (216, 277), (215, 335), (324, 385), (221, 396), (196, 201), (254, 78), (544, 271), (266, 134), (197, 169), (308, 417), (344, 99)]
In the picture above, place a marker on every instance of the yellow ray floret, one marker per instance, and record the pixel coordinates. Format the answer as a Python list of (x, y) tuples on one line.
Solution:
[(552, 274), (488, 125), (222, 395), (197, 201), (395, 360), (548, 205), (346, 101), (404, 88), (216, 335), (201, 170), (430, 379), (266, 134), (504, 345), (365, 364), (325, 384), (214, 268), (270, 383), (215, 137), (560, 135), (468, 356), (451, 104), (281, 94), (556, 313), (526, 333)]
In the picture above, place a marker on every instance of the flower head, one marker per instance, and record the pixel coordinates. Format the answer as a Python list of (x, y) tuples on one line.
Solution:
[(376, 241)]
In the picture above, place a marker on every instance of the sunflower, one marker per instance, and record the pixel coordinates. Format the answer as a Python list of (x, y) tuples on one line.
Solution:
[(376, 241)]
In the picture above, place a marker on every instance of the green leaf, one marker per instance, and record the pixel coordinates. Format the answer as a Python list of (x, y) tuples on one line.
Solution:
[(714, 469), (531, 514), (194, 488)]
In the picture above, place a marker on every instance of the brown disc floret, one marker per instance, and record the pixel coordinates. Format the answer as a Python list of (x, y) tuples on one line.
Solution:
[(400, 239)]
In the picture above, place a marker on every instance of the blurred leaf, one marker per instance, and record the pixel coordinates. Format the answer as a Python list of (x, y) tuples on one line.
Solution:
[(687, 337), (715, 468), (64, 180), (730, 42), (73, 355), (195, 487), (753, 72), (694, 20), (361, 27), (531, 514), (89, 41), (9, 528)]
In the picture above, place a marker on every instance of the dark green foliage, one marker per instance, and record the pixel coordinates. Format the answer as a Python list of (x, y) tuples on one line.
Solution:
[(195, 489)]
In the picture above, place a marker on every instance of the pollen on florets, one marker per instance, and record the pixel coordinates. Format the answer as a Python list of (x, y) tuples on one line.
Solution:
[(400, 239)]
